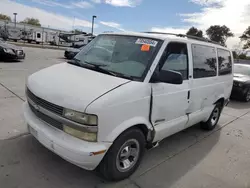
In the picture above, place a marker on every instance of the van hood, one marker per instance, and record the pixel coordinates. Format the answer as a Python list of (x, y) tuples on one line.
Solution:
[(70, 86), (241, 78)]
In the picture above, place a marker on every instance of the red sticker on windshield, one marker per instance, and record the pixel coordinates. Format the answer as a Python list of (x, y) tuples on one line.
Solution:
[(145, 48)]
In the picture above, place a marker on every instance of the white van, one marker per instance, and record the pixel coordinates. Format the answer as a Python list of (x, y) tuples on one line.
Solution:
[(126, 92)]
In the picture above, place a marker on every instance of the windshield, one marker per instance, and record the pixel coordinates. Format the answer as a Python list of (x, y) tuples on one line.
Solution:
[(242, 69), (125, 55)]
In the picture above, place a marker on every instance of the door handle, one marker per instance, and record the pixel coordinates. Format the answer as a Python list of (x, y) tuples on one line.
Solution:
[(188, 97)]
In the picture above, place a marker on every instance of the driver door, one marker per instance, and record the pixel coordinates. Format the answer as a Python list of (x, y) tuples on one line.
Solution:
[(170, 101)]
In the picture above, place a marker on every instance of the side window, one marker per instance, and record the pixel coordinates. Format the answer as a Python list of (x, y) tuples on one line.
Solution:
[(176, 59), (225, 62), (204, 61)]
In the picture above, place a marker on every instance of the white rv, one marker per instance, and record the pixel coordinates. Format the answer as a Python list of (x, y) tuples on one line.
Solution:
[(71, 39), (12, 33), (36, 36)]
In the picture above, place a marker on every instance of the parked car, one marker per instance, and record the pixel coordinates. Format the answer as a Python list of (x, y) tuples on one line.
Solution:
[(123, 93), (10, 51), (241, 84), (70, 53)]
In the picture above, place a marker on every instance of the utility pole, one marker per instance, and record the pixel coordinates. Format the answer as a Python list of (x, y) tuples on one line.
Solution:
[(73, 29), (93, 20), (15, 18), (73, 26)]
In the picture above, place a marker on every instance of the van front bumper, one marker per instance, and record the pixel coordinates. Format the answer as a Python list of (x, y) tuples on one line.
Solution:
[(72, 149)]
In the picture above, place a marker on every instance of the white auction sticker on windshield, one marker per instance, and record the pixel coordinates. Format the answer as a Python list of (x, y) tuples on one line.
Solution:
[(149, 42)]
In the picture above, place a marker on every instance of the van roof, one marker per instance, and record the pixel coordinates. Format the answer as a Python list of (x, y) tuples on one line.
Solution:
[(177, 37)]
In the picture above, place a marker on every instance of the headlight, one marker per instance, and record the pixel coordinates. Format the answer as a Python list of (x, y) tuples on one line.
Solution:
[(238, 84), (92, 137), (8, 50), (80, 117)]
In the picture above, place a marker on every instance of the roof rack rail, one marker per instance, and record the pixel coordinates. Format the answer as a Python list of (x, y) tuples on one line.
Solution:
[(188, 36)]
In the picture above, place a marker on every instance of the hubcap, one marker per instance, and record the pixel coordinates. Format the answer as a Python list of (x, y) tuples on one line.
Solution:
[(215, 116), (128, 155)]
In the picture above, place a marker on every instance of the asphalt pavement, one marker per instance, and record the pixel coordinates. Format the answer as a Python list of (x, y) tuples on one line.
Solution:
[(192, 158)]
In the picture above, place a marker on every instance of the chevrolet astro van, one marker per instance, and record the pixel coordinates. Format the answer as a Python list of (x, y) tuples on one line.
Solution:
[(124, 93)]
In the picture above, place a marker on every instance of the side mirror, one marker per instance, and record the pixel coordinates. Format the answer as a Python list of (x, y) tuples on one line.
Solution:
[(167, 76)]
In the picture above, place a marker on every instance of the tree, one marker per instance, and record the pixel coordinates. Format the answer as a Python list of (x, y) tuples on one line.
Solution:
[(235, 55), (242, 56), (246, 37), (195, 32), (5, 17), (31, 21), (219, 33)]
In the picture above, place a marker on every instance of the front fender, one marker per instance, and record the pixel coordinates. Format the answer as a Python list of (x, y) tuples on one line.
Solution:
[(222, 96), (126, 125)]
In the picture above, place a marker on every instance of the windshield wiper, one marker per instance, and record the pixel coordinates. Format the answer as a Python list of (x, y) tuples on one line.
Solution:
[(74, 61), (124, 76), (98, 67), (95, 64), (79, 63)]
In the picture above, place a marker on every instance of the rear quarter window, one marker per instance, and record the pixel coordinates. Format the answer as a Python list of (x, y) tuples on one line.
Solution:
[(225, 62), (204, 61)]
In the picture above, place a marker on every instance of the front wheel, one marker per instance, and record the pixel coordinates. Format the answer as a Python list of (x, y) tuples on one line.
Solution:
[(211, 123), (124, 156)]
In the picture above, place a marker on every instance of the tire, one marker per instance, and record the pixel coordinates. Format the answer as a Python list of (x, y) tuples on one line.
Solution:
[(246, 97), (112, 167), (211, 123)]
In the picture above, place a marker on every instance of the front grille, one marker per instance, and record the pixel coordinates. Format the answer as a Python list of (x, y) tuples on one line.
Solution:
[(237, 84), (45, 104), (47, 119)]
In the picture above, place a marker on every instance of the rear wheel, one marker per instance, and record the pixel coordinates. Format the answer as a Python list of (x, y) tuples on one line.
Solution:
[(211, 123), (124, 156)]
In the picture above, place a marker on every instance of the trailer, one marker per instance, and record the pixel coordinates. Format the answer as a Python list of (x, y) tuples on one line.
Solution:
[(30, 33), (72, 39), (3, 33), (36, 36), (11, 33), (50, 37)]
